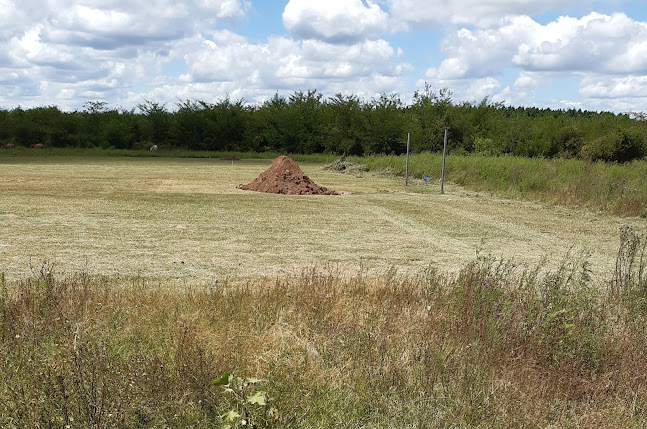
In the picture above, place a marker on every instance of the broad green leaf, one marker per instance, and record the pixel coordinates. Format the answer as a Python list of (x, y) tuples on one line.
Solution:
[(252, 380), (230, 416), (223, 380), (257, 398)]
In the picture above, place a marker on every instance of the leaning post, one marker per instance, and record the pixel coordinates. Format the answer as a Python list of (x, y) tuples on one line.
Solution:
[(406, 169), (442, 174)]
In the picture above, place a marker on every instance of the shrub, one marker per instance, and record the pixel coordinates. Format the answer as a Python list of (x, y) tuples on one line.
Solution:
[(566, 143), (485, 146), (622, 146)]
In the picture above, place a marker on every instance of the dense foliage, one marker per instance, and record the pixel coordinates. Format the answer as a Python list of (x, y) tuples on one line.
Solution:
[(305, 122)]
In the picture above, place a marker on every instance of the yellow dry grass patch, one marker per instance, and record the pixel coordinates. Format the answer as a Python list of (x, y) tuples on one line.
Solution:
[(184, 219)]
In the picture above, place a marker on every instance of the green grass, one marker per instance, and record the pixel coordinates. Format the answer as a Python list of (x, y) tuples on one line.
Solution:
[(21, 152), (616, 188)]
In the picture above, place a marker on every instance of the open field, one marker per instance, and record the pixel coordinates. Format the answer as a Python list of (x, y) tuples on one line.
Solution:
[(184, 219), (321, 342)]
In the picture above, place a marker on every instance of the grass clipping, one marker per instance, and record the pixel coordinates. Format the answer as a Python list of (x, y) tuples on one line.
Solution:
[(285, 177), (342, 165)]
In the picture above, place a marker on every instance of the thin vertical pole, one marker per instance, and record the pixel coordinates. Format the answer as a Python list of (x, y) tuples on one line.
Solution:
[(442, 175), (406, 170)]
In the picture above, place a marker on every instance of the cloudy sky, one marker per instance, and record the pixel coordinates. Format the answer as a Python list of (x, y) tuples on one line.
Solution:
[(589, 54)]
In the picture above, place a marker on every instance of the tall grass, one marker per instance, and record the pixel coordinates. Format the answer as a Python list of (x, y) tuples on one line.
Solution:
[(496, 345), (615, 188)]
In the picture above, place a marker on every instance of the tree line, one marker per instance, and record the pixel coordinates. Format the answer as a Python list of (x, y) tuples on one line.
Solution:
[(305, 122)]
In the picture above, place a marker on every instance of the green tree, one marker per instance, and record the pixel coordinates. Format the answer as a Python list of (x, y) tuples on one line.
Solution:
[(387, 126), (430, 113), (226, 124), (268, 125), (190, 125), (346, 125), (306, 135), (158, 122)]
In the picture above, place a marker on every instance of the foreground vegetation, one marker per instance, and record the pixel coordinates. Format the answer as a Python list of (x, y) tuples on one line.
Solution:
[(495, 345), (305, 122)]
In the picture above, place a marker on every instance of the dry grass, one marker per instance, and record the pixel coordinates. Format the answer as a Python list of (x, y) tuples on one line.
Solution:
[(184, 219), (494, 346)]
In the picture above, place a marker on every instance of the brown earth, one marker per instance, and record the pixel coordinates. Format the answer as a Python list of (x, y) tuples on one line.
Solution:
[(285, 177)]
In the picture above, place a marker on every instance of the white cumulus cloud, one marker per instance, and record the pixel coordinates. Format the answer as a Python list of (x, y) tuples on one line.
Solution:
[(464, 12), (68, 51), (613, 44), (599, 87), (335, 21), (604, 46), (228, 60)]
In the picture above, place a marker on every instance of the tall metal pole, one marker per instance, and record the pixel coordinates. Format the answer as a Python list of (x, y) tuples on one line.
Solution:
[(406, 170), (442, 175)]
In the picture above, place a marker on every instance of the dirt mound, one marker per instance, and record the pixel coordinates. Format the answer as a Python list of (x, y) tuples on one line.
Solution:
[(285, 177)]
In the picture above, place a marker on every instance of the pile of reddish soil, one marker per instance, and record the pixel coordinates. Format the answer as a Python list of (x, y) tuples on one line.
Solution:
[(285, 177)]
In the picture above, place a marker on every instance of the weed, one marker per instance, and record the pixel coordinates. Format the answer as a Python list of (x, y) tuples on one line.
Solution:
[(629, 282), (249, 404), (345, 166)]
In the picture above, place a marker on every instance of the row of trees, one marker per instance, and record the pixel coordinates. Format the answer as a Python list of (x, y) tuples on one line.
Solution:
[(305, 122)]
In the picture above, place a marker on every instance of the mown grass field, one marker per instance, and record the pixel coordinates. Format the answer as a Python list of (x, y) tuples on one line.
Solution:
[(130, 286), (185, 219)]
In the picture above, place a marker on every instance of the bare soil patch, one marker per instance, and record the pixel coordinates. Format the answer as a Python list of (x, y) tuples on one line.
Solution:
[(285, 177)]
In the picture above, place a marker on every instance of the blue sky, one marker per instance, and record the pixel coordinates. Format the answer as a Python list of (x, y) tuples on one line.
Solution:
[(587, 54)]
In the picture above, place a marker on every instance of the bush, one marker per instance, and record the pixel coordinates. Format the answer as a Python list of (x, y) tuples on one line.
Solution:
[(485, 146), (566, 143), (615, 147)]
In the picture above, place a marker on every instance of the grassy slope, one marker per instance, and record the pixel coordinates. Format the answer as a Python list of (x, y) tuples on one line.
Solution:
[(616, 188), (21, 152)]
